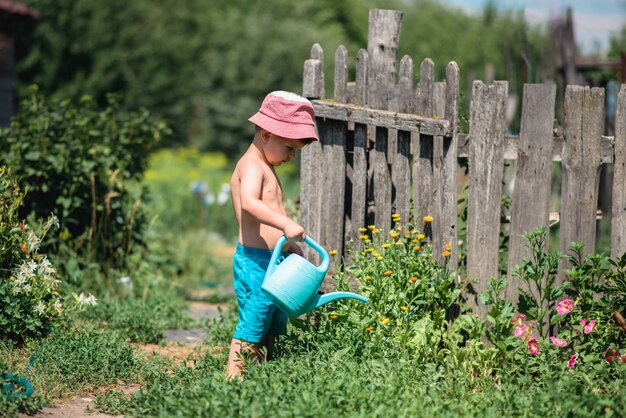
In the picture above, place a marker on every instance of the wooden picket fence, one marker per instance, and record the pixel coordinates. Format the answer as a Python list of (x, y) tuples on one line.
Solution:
[(388, 146)]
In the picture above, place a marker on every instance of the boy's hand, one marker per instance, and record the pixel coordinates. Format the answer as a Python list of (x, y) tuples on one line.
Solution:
[(294, 231)]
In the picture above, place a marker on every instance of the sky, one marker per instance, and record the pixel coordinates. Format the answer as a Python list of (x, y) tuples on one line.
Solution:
[(594, 20)]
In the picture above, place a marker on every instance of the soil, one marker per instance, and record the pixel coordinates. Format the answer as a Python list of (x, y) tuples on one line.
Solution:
[(180, 345)]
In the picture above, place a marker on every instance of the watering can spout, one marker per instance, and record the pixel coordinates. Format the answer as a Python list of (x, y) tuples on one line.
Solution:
[(329, 297)]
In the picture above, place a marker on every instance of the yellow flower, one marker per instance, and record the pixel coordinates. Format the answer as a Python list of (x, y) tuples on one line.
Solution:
[(399, 323), (447, 246), (371, 226), (333, 317), (332, 252), (369, 250), (363, 253), (388, 273), (407, 234), (374, 252), (376, 231), (364, 237), (399, 227), (380, 259), (413, 279), (399, 243), (367, 277), (428, 218), (446, 253), (385, 321), (416, 248), (369, 329), (414, 241), (386, 245), (393, 234), (395, 215), (404, 308), (362, 229), (421, 236)]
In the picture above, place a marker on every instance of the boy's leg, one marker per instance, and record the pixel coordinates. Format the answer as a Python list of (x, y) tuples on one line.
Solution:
[(239, 348)]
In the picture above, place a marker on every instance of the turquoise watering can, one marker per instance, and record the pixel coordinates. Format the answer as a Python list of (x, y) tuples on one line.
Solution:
[(293, 283)]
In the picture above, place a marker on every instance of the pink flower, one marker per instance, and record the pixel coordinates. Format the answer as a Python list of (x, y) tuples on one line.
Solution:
[(558, 342), (518, 319), (533, 347), (524, 331), (572, 361), (589, 327), (564, 307), (583, 322)]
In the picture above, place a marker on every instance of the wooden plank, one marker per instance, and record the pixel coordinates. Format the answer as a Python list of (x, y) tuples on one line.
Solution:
[(487, 128), (425, 190), (584, 124), (531, 195), (438, 243), (341, 74), (449, 208), (313, 77), (618, 212), (381, 181), (359, 182), (401, 170), (511, 143), (383, 36), (333, 189), (360, 77), (384, 118), (310, 197)]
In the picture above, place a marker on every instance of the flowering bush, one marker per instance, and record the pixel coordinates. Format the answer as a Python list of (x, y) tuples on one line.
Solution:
[(566, 323), (30, 294), (412, 298)]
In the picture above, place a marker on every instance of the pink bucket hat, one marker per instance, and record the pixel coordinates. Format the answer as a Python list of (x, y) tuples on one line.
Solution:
[(286, 114)]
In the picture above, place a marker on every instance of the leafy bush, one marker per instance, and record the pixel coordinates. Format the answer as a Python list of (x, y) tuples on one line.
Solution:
[(29, 288), (84, 165), (412, 298)]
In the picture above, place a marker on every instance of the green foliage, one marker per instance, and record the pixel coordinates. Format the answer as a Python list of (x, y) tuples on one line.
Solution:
[(412, 299), (538, 274), (190, 190), (84, 165), (29, 288), (205, 65)]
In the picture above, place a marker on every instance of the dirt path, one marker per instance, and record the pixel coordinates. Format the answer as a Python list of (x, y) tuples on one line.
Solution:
[(180, 345)]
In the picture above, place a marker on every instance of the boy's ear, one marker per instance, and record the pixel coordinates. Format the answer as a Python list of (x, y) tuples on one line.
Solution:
[(265, 135)]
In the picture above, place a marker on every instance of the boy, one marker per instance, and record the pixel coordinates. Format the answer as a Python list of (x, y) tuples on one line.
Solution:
[(284, 124)]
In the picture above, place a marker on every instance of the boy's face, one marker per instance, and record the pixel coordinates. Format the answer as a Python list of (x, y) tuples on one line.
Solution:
[(279, 150)]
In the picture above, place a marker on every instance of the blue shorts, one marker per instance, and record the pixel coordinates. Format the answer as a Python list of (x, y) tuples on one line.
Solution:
[(258, 316)]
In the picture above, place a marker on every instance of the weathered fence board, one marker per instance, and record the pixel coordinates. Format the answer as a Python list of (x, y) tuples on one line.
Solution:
[(583, 128), (531, 196), (449, 193), (618, 213), (487, 128), (424, 170)]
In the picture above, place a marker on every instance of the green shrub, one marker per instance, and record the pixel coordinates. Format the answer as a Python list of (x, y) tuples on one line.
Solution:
[(29, 288), (85, 166)]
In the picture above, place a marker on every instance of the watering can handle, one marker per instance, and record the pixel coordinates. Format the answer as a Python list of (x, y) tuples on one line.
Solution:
[(279, 245)]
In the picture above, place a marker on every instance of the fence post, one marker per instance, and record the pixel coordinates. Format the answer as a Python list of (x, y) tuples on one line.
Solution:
[(581, 163), (531, 196), (618, 218), (449, 209), (382, 44), (486, 161)]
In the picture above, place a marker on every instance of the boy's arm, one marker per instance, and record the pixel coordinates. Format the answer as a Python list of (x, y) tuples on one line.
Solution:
[(250, 196)]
